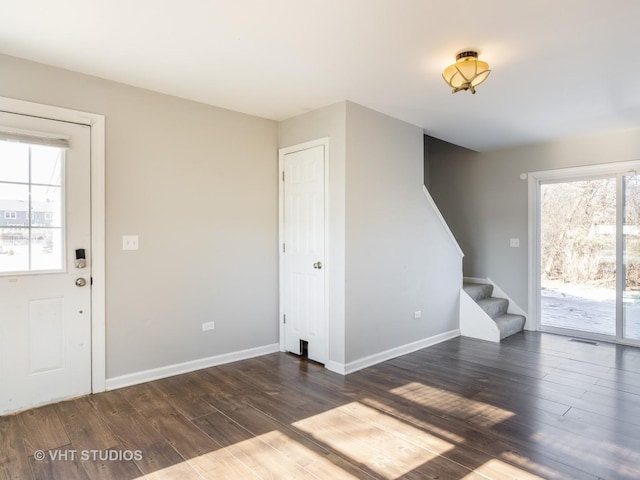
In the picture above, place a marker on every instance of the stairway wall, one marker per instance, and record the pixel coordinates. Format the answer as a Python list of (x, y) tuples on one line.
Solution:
[(399, 258)]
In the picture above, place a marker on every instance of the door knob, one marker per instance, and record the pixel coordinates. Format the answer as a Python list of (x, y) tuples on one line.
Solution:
[(80, 282), (317, 265)]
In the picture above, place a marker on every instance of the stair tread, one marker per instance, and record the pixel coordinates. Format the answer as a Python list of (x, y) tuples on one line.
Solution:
[(509, 324), (494, 306), (478, 291)]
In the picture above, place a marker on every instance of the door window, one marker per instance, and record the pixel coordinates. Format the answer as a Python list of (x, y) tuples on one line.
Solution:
[(31, 206)]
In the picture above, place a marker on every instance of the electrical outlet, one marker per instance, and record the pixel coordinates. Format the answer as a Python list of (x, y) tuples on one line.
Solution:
[(417, 314), (208, 326), (514, 242), (130, 242)]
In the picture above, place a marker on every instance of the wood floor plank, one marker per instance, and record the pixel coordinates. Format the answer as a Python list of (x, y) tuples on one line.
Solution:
[(613, 385), (43, 429), (624, 433), (180, 471), (221, 464), (185, 437), (84, 427), (14, 458), (185, 393), (91, 437), (57, 464), (135, 432)]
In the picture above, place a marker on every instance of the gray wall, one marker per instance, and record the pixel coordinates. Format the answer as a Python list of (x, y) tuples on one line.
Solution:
[(485, 203), (198, 184), (399, 259)]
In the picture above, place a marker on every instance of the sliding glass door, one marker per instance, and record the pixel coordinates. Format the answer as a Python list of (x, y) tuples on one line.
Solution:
[(588, 254), (630, 321)]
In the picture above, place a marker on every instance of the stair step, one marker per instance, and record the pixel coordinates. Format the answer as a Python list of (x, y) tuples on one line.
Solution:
[(478, 291), (508, 324), (494, 307)]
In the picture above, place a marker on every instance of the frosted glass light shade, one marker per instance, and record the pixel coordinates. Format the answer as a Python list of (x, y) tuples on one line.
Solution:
[(467, 73)]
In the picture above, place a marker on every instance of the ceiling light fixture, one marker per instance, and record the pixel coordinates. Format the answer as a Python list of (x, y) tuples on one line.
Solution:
[(467, 73)]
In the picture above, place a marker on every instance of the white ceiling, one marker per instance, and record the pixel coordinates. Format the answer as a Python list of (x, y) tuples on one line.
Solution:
[(560, 67)]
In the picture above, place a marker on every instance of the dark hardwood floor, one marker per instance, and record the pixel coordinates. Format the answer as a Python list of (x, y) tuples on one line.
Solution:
[(535, 406)]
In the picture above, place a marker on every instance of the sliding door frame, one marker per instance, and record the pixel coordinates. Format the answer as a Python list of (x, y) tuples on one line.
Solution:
[(535, 179)]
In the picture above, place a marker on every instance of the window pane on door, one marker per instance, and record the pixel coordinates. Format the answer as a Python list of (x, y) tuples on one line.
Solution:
[(46, 248), (14, 204), (14, 162), (31, 208), (14, 249), (46, 208), (46, 165)]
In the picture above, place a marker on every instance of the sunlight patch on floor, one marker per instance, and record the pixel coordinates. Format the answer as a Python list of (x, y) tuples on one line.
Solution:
[(397, 411), (259, 455), (364, 435), (495, 468), (452, 403), (270, 455), (178, 471)]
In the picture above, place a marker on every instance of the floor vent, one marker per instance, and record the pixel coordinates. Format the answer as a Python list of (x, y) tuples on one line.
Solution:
[(579, 340)]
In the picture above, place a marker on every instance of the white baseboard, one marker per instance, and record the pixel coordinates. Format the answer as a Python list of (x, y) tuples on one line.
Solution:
[(345, 369), (177, 369), (336, 367)]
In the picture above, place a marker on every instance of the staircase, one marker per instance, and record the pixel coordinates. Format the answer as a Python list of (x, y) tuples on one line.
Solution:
[(496, 308)]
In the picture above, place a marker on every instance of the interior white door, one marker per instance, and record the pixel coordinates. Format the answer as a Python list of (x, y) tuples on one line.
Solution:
[(304, 252), (45, 287)]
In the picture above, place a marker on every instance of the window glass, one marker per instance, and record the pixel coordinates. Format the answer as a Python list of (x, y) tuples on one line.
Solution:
[(31, 210)]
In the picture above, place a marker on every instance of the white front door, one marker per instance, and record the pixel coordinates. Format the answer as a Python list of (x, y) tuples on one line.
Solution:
[(303, 255), (45, 286)]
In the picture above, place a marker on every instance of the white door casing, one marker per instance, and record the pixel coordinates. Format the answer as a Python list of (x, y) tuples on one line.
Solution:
[(303, 271), (84, 334)]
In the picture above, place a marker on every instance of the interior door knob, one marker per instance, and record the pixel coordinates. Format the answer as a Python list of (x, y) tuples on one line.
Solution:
[(80, 282), (317, 265)]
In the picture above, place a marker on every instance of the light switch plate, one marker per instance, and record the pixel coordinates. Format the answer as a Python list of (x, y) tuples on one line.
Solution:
[(130, 242)]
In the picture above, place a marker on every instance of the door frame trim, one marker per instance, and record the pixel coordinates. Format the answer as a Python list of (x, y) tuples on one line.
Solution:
[(98, 268), (327, 245), (572, 173)]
